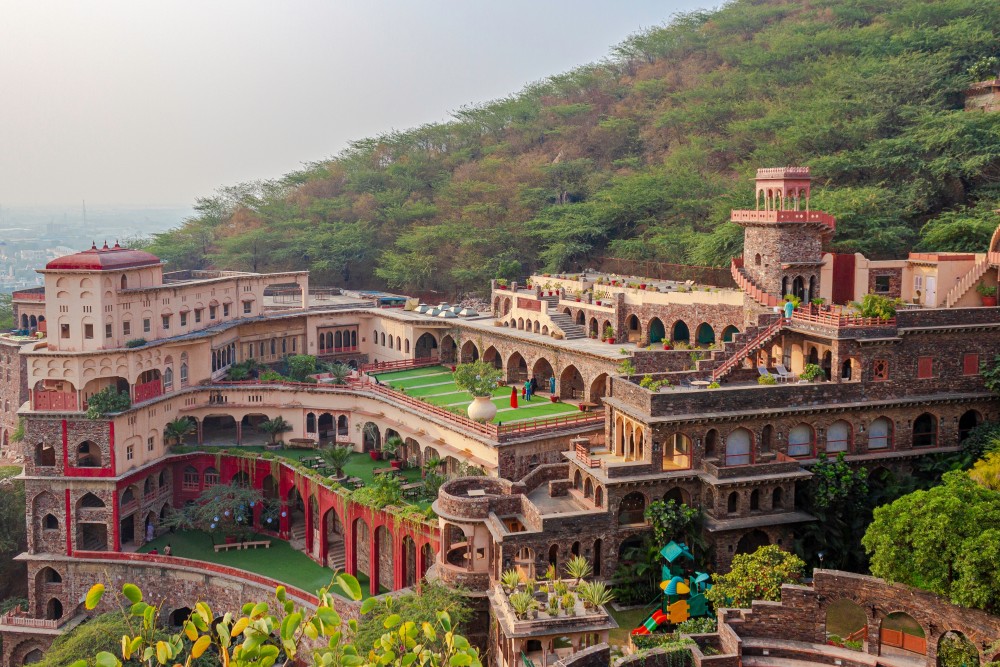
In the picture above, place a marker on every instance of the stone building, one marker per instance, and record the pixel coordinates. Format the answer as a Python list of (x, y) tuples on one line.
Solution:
[(691, 423)]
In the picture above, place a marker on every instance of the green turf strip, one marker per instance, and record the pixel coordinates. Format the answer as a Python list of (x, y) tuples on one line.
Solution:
[(280, 562), (430, 380), (411, 372), (436, 389)]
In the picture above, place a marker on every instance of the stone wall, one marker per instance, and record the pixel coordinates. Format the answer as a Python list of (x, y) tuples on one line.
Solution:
[(895, 276), (13, 392)]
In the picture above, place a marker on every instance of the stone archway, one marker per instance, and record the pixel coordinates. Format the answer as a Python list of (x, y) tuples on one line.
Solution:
[(571, 383)]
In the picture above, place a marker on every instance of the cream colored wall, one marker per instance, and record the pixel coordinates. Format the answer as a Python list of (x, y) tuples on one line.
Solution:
[(862, 273), (95, 297), (635, 296)]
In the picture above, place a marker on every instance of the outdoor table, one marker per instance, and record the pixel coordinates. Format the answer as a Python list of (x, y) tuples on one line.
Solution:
[(701, 384), (412, 488), (383, 471)]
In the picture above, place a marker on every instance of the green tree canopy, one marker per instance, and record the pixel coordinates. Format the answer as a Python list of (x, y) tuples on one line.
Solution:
[(756, 576), (945, 540)]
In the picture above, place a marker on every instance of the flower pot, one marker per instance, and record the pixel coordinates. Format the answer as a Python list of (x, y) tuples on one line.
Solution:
[(397, 464), (642, 286), (503, 287), (989, 301), (452, 369), (666, 346), (554, 399), (374, 455), (597, 302), (611, 341), (482, 409), (578, 299)]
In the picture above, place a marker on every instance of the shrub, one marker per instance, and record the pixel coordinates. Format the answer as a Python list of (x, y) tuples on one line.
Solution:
[(767, 379), (811, 372), (877, 306), (107, 401), (986, 290), (135, 342)]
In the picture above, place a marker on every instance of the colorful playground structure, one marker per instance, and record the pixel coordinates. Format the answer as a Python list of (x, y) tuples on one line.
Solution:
[(683, 591)]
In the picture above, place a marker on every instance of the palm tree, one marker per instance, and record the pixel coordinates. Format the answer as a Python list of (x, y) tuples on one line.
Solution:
[(178, 429), (339, 373), (274, 427), (432, 464), (391, 446), (337, 458)]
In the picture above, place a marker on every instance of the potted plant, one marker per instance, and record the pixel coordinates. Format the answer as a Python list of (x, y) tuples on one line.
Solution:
[(988, 294), (389, 449), (479, 378), (609, 334), (595, 594), (667, 345), (337, 458), (568, 602), (811, 373), (510, 579), (502, 283), (522, 603)]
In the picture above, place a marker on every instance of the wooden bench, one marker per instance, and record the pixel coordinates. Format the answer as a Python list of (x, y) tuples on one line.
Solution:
[(259, 543), (383, 471), (227, 547), (586, 406)]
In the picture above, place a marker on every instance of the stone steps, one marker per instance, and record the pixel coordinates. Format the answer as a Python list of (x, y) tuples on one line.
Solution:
[(571, 330)]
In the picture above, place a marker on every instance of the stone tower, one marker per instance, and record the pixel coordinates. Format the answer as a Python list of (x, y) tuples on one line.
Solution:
[(783, 241)]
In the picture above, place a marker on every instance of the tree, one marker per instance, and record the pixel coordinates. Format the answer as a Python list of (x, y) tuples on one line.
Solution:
[(945, 540), (671, 520), (479, 378), (420, 608), (336, 458), (178, 429), (275, 427), (222, 509), (12, 531), (301, 366), (256, 637), (756, 576), (6, 312), (107, 401), (338, 372), (838, 496)]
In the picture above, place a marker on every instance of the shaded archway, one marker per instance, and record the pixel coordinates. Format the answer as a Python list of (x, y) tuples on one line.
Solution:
[(218, 430), (426, 559), (598, 389), (656, 330), (491, 356), (88, 455), (680, 332), (955, 650), (409, 563), (470, 352), (925, 429), (517, 368), (846, 621), (448, 350), (705, 334), (901, 634), (632, 509), (728, 333), (426, 346), (371, 437), (968, 421), (542, 372), (633, 329), (571, 383), (752, 541)]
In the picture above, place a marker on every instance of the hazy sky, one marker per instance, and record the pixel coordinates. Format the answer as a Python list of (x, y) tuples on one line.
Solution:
[(133, 102)]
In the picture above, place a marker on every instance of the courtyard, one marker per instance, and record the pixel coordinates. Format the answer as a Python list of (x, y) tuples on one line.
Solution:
[(436, 385)]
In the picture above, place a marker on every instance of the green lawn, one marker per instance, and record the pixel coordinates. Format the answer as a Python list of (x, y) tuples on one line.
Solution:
[(627, 621), (434, 385), (280, 562)]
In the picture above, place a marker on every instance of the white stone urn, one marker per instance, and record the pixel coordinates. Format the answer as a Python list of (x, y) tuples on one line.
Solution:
[(482, 409)]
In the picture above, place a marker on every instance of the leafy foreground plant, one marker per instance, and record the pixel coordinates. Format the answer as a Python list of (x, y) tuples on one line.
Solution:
[(258, 638)]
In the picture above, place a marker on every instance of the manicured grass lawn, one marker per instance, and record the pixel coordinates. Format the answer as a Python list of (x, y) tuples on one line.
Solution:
[(627, 621), (844, 617), (433, 384), (280, 562), (360, 465)]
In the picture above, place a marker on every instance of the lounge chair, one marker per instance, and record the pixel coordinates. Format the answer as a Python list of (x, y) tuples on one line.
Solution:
[(784, 373), (762, 370)]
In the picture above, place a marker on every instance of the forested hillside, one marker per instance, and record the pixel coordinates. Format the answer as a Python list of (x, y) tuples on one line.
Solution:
[(643, 155)]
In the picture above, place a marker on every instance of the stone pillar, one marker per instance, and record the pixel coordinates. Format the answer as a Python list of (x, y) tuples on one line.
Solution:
[(239, 432), (373, 561)]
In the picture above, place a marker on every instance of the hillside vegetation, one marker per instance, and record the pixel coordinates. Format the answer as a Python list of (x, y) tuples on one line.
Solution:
[(643, 155)]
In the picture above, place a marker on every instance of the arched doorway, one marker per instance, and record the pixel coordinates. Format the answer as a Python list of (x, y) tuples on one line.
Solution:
[(571, 383), (542, 372), (680, 332), (968, 421), (633, 329), (517, 368), (955, 650), (728, 333), (599, 388), (752, 541), (426, 347), (448, 350), (491, 356), (632, 509), (409, 562), (705, 334), (900, 634), (656, 330), (469, 352), (846, 622)]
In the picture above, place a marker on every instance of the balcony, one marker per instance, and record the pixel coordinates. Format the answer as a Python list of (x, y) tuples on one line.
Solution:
[(54, 401)]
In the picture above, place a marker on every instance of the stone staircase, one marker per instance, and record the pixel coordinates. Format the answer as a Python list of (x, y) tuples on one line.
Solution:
[(724, 360), (967, 282), (297, 536), (561, 321), (336, 554)]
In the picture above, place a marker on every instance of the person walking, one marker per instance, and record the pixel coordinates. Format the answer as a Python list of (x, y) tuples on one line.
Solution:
[(533, 385), (527, 390)]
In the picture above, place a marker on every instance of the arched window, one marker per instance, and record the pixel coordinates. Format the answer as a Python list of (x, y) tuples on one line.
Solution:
[(711, 439), (406, 345), (838, 436), (168, 379), (925, 430), (777, 498), (383, 339), (757, 260), (738, 447), (124, 282), (880, 434), (632, 509), (754, 500), (800, 441), (190, 479), (766, 438), (50, 522), (733, 503), (88, 455), (211, 476)]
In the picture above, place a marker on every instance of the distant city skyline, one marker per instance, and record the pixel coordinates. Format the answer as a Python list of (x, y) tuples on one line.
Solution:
[(131, 104)]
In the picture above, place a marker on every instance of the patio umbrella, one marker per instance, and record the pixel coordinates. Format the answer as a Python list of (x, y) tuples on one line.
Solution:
[(513, 397)]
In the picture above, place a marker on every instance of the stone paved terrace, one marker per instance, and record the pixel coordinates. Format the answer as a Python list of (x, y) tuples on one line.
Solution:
[(548, 505)]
